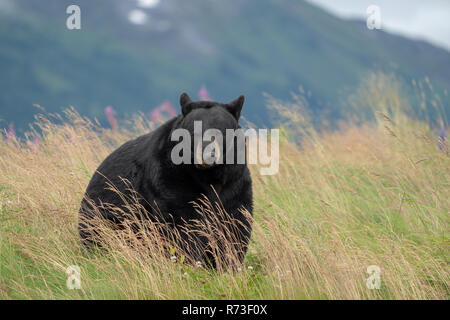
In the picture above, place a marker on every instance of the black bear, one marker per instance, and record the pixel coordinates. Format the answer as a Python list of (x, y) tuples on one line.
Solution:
[(146, 165)]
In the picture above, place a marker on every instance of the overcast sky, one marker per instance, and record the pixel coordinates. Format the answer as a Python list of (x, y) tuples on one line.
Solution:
[(423, 19)]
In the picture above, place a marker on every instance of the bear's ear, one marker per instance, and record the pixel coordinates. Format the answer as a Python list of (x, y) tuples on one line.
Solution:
[(185, 100), (235, 106)]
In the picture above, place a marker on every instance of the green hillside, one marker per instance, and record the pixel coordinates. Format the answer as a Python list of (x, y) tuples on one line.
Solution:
[(232, 47)]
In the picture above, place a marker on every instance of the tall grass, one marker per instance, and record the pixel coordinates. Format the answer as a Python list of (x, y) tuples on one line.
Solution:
[(376, 193)]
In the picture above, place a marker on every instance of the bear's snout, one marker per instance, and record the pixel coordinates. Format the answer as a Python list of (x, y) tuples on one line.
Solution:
[(207, 154)]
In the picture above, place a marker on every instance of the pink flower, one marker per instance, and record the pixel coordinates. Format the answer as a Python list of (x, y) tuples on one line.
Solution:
[(35, 143), (203, 94), (169, 109), (110, 115), (156, 115), (166, 107)]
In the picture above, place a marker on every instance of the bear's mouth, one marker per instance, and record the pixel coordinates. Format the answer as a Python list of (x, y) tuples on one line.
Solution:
[(204, 166)]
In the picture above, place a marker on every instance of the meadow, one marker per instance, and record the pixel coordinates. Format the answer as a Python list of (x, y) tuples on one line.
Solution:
[(373, 193)]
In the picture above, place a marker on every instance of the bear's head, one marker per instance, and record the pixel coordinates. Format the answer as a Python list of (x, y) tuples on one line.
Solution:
[(207, 123)]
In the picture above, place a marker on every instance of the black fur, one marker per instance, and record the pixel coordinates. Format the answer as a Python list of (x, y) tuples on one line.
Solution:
[(145, 162)]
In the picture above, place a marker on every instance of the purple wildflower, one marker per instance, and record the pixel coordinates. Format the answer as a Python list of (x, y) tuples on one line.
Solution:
[(110, 115), (10, 133)]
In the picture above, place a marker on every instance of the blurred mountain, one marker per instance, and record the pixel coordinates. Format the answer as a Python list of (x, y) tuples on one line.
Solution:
[(135, 54)]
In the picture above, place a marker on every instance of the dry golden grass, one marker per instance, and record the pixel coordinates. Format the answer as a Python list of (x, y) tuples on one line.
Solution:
[(372, 194)]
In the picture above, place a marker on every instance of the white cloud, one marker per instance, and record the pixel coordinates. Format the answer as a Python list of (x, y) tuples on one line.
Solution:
[(419, 19)]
